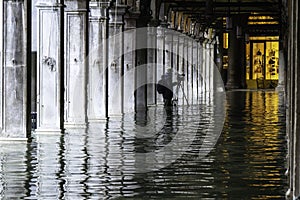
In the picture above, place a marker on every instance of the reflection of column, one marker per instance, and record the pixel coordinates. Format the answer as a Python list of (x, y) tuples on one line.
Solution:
[(129, 61), (97, 94), (50, 55), (75, 63), (14, 170), (14, 49), (50, 166), (76, 161), (115, 60), (152, 65)]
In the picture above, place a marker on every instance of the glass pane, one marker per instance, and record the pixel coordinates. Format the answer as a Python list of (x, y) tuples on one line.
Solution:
[(258, 60), (272, 60), (248, 61)]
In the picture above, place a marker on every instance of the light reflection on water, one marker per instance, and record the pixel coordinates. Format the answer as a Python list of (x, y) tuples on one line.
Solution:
[(248, 161)]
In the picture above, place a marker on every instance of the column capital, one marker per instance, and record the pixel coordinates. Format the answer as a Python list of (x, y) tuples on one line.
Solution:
[(98, 11), (43, 4), (116, 14)]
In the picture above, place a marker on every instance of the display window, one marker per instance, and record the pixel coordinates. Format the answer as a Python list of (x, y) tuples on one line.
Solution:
[(262, 59)]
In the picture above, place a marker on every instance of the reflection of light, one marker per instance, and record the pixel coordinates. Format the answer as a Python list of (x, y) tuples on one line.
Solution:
[(263, 139)]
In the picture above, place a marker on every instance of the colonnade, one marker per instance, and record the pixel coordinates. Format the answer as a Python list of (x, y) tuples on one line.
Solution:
[(93, 62)]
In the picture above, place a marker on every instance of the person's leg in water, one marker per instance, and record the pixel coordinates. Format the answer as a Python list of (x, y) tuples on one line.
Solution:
[(168, 95)]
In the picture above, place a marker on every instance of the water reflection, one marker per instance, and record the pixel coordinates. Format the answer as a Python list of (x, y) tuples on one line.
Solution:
[(115, 159)]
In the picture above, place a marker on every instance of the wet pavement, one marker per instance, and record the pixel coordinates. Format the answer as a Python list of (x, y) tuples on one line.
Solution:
[(162, 154)]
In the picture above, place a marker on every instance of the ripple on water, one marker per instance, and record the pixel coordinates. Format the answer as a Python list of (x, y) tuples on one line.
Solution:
[(247, 162)]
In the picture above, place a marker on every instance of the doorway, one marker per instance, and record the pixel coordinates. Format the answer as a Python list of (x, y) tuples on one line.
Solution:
[(262, 68)]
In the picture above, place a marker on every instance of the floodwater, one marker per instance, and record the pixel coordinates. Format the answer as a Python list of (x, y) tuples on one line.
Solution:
[(183, 153)]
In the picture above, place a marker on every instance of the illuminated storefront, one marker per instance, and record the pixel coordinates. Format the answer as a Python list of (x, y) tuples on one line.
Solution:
[(262, 62), (261, 54)]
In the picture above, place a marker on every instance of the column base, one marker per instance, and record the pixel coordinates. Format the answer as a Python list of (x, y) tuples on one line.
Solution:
[(48, 131), (280, 88), (232, 86), (75, 125), (4, 140), (96, 121)]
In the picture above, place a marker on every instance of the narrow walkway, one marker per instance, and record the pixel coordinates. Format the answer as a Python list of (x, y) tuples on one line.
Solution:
[(110, 160)]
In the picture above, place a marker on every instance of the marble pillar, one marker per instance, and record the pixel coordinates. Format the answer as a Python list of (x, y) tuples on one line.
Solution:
[(205, 66), (15, 72), (160, 57), (168, 49), (281, 80), (189, 73), (212, 66), (116, 60), (293, 104), (236, 56), (181, 68), (195, 71), (200, 67), (141, 68), (129, 61), (98, 59), (152, 65), (50, 56), (75, 63)]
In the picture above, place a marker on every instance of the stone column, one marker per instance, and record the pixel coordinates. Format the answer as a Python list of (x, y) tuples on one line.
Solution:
[(129, 61), (50, 56), (116, 60), (98, 59), (181, 64), (75, 64), (281, 80), (294, 103), (195, 71), (236, 56), (175, 49), (152, 64), (206, 60), (141, 67), (160, 57), (200, 67), (189, 72), (15, 72), (212, 65), (168, 49)]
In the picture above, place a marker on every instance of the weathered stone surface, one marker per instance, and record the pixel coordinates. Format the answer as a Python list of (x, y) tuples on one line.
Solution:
[(13, 70), (75, 64), (116, 61), (98, 59), (49, 68)]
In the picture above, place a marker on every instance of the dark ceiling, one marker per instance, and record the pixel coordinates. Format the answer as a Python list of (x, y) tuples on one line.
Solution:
[(211, 13)]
